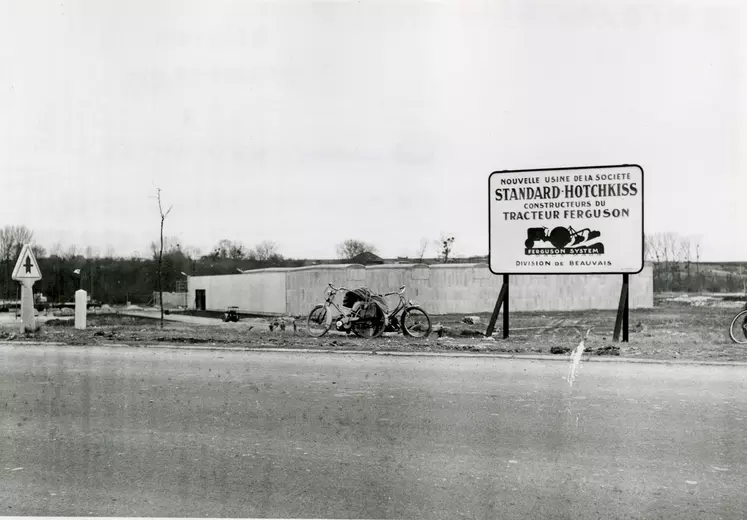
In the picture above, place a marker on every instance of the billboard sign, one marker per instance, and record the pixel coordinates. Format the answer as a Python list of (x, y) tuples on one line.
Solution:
[(586, 220)]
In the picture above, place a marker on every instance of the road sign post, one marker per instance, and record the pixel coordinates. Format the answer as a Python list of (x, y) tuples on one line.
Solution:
[(28, 323), (27, 272)]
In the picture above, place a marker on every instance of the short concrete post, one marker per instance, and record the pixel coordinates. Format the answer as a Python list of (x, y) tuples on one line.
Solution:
[(27, 306), (81, 303)]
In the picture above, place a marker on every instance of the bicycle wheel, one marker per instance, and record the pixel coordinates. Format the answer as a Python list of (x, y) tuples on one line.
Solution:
[(316, 323), (416, 323), (370, 327), (738, 328)]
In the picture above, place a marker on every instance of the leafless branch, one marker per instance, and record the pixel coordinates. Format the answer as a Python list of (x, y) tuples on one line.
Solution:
[(160, 252)]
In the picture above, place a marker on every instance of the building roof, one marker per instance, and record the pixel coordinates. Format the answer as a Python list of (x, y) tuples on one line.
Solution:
[(366, 258)]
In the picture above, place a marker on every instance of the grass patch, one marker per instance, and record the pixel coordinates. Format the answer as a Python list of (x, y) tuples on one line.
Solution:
[(212, 314), (108, 320)]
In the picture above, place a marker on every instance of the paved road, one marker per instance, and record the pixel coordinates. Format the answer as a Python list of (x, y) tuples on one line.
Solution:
[(151, 432)]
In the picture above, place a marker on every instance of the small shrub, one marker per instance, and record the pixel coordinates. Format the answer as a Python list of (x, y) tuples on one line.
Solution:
[(59, 323), (32, 330)]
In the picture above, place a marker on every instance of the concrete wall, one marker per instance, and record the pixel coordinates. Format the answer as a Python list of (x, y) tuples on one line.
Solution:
[(440, 289), (257, 292), (306, 285), (472, 288)]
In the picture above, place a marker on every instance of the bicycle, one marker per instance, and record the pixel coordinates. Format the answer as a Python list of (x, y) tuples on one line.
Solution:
[(738, 327), (366, 318), (421, 326)]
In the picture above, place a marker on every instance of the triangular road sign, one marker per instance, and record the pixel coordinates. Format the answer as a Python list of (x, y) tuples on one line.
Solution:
[(26, 266)]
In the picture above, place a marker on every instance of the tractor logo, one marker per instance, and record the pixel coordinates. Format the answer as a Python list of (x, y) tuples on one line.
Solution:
[(564, 241)]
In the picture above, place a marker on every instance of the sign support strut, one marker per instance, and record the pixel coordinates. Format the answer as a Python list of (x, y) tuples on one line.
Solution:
[(501, 302), (622, 312)]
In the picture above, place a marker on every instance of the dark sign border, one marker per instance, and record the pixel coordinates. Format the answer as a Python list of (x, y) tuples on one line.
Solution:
[(573, 168)]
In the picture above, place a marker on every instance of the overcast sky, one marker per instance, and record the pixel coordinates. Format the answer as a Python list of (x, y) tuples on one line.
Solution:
[(309, 123)]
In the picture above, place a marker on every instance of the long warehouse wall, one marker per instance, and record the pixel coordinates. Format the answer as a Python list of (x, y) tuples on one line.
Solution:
[(260, 292), (440, 289)]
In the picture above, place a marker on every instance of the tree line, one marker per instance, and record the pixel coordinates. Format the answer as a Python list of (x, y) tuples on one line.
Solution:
[(116, 279), (677, 266)]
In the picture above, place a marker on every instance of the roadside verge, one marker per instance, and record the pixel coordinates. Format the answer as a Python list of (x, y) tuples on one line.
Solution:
[(477, 355)]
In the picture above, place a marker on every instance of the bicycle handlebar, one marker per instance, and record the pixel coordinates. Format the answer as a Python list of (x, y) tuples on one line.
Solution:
[(401, 291)]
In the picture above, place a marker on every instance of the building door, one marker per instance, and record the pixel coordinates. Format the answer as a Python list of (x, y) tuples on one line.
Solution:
[(200, 299)]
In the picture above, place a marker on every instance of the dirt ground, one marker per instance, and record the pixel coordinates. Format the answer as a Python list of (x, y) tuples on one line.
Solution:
[(671, 330)]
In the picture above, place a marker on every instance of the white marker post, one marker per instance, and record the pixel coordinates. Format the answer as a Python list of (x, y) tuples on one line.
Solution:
[(81, 308), (27, 272)]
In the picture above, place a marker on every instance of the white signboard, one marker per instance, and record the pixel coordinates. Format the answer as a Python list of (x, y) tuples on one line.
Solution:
[(567, 221), (26, 266)]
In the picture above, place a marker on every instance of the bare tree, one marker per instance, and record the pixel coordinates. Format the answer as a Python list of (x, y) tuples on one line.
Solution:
[(6, 253), (686, 256), (655, 253), (266, 251), (12, 240), (237, 251), (169, 245), (21, 235), (351, 248), (160, 252), (423, 247), (192, 252), (56, 250), (672, 258), (71, 252), (222, 249), (39, 251), (697, 266), (666, 254), (230, 249), (653, 247), (447, 247)]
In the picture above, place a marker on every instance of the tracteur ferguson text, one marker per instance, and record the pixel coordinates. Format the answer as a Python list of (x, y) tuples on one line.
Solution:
[(559, 237)]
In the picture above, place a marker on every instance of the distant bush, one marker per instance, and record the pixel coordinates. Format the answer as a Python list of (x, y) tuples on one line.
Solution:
[(59, 323)]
